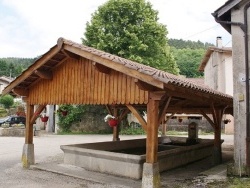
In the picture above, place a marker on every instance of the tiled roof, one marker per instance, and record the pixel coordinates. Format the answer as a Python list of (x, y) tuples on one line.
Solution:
[(160, 75)]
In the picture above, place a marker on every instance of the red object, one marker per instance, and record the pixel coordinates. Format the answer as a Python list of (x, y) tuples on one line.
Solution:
[(113, 122), (44, 119), (64, 112)]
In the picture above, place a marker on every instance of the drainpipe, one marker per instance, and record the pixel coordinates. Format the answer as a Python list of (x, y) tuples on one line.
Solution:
[(244, 28), (247, 86)]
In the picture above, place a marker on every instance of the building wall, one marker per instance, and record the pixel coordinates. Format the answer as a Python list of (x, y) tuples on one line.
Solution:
[(239, 90), (218, 75)]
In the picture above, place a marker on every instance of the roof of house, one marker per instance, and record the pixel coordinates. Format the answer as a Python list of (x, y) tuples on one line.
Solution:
[(6, 79), (208, 53), (164, 81), (223, 13)]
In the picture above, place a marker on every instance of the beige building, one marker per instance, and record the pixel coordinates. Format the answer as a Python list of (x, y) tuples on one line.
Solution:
[(234, 17), (218, 73), (4, 81)]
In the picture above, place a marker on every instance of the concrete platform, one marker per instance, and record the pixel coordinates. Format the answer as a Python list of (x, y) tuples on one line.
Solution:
[(194, 173)]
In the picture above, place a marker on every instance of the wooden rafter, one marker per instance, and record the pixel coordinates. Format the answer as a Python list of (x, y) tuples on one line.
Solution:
[(138, 116), (44, 74), (21, 92), (208, 119), (163, 110), (101, 68), (145, 86), (71, 55)]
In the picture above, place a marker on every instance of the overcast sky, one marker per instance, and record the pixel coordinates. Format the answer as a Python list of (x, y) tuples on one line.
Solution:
[(29, 28)]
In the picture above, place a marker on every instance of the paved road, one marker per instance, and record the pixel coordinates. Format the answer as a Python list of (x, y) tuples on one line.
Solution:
[(47, 149)]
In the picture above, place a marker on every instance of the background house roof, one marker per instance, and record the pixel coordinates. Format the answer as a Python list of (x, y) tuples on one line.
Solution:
[(223, 13), (208, 53)]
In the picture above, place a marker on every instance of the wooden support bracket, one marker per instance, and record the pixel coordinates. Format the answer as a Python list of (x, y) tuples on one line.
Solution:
[(101, 68), (21, 92), (71, 55), (163, 110), (44, 75), (145, 86), (138, 116), (37, 112)]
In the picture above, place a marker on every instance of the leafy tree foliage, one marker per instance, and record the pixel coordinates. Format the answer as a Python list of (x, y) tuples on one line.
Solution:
[(189, 60), (130, 29), (13, 67), (7, 101)]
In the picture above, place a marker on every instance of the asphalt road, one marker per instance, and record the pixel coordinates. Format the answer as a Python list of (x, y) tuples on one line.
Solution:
[(47, 149)]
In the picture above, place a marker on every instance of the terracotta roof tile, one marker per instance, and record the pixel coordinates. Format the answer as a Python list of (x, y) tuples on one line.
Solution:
[(160, 75)]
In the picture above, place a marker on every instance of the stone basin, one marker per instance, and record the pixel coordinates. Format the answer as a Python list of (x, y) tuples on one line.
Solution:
[(126, 158)]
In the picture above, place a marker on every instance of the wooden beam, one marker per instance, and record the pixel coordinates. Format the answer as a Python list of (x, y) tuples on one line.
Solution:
[(152, 131), (109, 109), (123, 114), (163, 110), (157, 95), (101, 68), (44, 74), (36, 114), (145, 86), (71, 55), (208, 118), (29, 124), (21, 92), (138, 116)]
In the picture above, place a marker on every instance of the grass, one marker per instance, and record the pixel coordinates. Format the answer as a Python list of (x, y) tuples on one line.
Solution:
[(231, 183)]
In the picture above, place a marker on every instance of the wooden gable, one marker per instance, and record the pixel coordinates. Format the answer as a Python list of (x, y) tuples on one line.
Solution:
[(80, 82)]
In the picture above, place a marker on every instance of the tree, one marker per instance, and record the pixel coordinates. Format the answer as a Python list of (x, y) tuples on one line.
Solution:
[(130, 29), (7, 101), (189, 60)]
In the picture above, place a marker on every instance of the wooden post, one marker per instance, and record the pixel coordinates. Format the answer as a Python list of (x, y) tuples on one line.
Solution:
[(28, 157), (116, 128), (217, 137), (152, 131), (151, 174)]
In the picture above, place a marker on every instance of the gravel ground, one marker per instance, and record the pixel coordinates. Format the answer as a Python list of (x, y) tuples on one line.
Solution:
[(47, 150)]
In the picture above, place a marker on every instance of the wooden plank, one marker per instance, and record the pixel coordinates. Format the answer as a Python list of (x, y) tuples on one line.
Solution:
[(103, 91), (128, 92), (92, 84), (152, 131), (119, 88), (111, 88), (116, 66), (88, 92), (208, 118), (99, 88), (107, 88), (137, 94), (138, 116), (124, 89), (95, 90), (132, 91), (115, 87)]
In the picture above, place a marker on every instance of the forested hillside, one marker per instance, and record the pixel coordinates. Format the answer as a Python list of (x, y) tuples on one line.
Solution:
[(12, 67), (188, 55)]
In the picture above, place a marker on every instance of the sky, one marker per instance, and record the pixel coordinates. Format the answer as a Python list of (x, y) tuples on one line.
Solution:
[(29, 28)]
